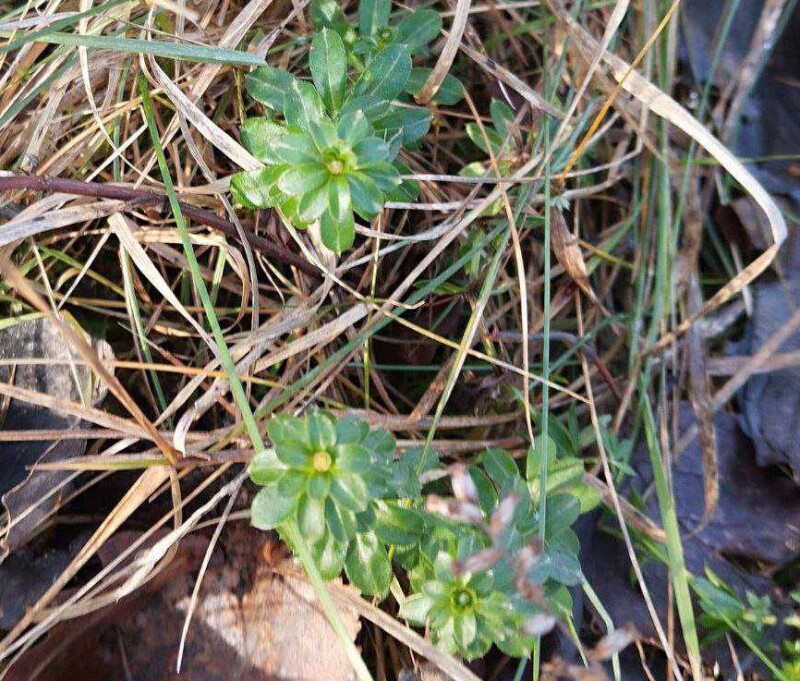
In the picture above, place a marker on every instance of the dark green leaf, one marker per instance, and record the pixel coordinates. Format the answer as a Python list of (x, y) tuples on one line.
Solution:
[(373, 15), (371, 107), (293, 148), (354, 127), (387, 73), (397, 525), (450, 92), (321, 428), (368, 566), (341, 522), (328, 62), (367, 198), (370, 151), (558, 566), (328, 14), (412, 122), (339, 200), (419, 28)]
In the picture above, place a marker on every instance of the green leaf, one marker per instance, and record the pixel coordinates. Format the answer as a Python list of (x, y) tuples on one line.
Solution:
[(449, 93), (265, 468), (368, 565), (502, 117), (270, 508), (313, 204), (350, 491), (415, 609), (372, 108), (328, 62), (412, 122), (257, 188), (354, 127), (329, 555), (385, 176), (292, 453), (328, 14), (339, 200), (311, 517), (370, 151), (387, 73), (367, 198), (558, 566), (321, 428), (268, 86), (397, 525), (500, 466), (338, 233), (373, 15), (495, 141), (293, 148), (257, 134), (341, 522), (323, 133), (319, 485), (419, 28), (303, 105), (349, 429), (302, 179)]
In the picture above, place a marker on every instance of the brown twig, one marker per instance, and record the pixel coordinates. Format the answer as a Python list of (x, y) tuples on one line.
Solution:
[(140, 197)]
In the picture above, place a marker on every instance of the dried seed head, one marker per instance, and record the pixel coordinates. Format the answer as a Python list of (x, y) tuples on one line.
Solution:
[(539, 625), (614, 642), (478, 562), (503, 514), (463, 486)]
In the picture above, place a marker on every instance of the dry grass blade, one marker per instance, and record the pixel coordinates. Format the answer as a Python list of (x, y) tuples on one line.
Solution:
[(148, 483), (449, 52)]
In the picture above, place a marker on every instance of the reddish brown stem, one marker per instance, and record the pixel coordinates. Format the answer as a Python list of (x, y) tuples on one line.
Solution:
[(140, 197)]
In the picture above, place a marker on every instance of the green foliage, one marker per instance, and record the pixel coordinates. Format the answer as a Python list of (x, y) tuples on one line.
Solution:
[(466, 612), (478, 570), (330, 146)]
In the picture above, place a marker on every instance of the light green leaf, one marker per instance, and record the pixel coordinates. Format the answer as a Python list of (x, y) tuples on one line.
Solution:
[(292, 148), (339, 199), (328, 62), (321, 428), (269, 86), (415, 609), (266, 467), (302, 179), (313, 204), (257, 188), (311, 517), (270, 508), (338, 233), (257, 133), (303, 105)]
